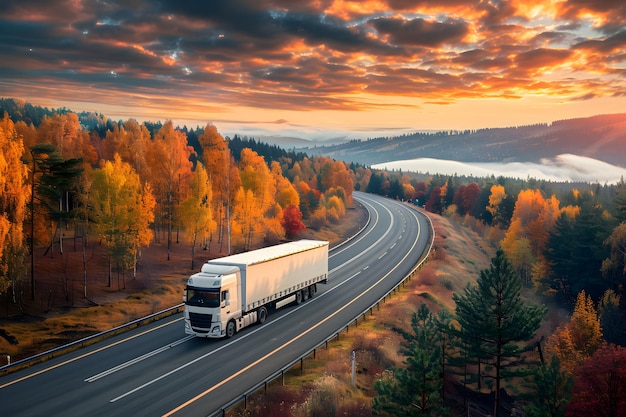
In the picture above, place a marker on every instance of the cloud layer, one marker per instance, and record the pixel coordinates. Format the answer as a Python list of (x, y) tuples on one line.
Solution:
[(209, 57)]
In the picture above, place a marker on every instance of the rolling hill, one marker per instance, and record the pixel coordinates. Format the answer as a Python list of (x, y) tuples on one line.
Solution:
[(601, 137)]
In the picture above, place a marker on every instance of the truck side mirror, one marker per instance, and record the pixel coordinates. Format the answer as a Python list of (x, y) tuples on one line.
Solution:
[(225, 298)]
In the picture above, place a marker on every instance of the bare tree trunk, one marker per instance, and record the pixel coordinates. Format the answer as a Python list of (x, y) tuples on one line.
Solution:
[(84, 248), (193, 249)]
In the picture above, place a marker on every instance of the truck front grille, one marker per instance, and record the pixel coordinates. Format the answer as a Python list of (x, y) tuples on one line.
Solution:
[(200, 320)]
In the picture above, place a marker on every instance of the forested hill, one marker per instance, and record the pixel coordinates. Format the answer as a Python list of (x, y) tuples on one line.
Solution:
[(601, 137)]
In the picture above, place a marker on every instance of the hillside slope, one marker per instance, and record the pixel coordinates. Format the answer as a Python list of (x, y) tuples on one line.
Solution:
[(600, 137)]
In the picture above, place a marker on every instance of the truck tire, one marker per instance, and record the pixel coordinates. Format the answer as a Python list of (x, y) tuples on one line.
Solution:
[(262, 315), (298, 297), (312, 290), (230, 329), (306, 294)]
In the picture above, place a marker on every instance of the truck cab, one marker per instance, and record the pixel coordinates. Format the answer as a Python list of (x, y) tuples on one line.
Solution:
[(212, 299)]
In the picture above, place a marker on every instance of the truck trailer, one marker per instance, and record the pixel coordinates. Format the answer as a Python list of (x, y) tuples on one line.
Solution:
[(236, 291)]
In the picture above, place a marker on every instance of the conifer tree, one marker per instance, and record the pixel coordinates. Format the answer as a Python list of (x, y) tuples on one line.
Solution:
[(494, 317), (416, 388), (549, 391), (620, 201)]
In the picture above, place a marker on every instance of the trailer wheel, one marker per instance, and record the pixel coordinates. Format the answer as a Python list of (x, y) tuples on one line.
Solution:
[(262, 315), (312, 290), (299, 297), (306, 294), (230, 329)]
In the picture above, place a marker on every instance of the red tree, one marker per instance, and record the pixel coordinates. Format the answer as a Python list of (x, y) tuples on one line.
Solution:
[(434, 201), (466, 198), (600, 385), (292, 220)]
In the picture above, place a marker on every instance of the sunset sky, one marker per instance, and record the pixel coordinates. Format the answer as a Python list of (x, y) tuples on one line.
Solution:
[(319, 67)]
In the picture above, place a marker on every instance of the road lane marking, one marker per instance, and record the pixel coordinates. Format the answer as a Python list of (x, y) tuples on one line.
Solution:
[(138, 359), (371, 246), (241, 371), (86, 354)]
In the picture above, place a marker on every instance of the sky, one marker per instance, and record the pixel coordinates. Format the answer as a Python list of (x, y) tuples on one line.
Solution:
[(318, 69)]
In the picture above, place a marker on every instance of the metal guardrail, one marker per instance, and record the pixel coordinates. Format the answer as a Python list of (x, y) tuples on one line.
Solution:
[(89, 340), (280, 373)]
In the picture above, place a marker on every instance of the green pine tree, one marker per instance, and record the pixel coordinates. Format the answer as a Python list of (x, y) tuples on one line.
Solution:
[(549, 391), (416, 388), (493, 317)]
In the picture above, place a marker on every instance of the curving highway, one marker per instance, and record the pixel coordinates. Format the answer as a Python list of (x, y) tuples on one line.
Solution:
[(155, 370)]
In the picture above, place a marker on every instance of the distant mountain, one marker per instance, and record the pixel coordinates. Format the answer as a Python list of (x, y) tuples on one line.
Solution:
[(600, 137)]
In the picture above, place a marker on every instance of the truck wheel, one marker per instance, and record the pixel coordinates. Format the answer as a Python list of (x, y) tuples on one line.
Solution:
[(230, 329), (262, 315), (305, 294), (299, 297), (312, 290)]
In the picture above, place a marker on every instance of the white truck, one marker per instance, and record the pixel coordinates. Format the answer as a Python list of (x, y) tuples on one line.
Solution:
[(235, 291)]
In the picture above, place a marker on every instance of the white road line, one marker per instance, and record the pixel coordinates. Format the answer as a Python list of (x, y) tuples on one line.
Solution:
[(87, 354), (137, 359)]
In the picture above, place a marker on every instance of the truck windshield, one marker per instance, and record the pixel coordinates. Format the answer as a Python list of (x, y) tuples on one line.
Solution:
[(202, 297)]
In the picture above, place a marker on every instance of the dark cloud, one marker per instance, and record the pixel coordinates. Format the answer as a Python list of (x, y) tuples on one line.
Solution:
[(541, 58), (420, 31)]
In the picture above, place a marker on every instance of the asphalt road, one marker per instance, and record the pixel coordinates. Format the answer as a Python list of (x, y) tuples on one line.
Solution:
[(156, 370)]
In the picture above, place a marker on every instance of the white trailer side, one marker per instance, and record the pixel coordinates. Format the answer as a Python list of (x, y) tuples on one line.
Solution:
[(271, 273)]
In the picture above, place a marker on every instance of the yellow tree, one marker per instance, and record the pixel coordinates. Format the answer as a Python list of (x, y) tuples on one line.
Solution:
[(286, 193), (27, 132), (496, 196), (335, 174), (246, 217), (123, 210), (14, 192), (130, 140), (579, 338), (335, 208), (195, 211), (257, 178), (65, 132), (223, 176), (534, 217), (170, 172), (304, 171)]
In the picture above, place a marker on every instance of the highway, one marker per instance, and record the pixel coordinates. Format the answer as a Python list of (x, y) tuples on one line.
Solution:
[(156, 370)]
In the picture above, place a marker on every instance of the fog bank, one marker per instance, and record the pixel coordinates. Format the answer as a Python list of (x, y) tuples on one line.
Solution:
[(564, 167)]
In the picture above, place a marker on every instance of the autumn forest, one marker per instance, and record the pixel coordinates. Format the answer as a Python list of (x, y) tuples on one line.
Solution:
[(128, 184)]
